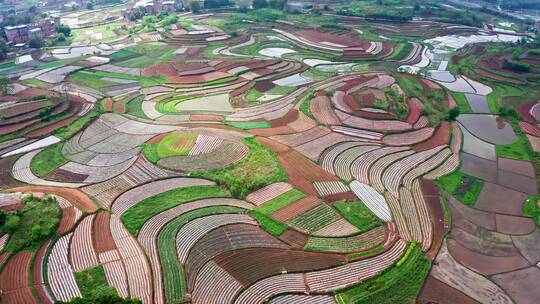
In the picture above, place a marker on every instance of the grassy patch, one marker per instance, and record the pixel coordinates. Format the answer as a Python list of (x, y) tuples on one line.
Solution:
[(531, 208), (121, 54), (270, 225), (174, 144), (134, 107), (92, 282), (281, 201), (259, 169), (500, 92), (174, 277), (358, 214), (520, 149), (398, 284), (48, 160), (364, 253), (150, 152), (248, 125), (466, 188), (137, 215), (68, 131), (36, 83), (461, 100), (31, 226), (401, 51)]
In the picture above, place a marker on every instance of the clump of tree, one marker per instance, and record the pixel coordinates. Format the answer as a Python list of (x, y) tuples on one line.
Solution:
[(516, 66), (216, 3), (64, 29), (195, 6), (30, 226), (102, 299), (36, 42), (4, 49)]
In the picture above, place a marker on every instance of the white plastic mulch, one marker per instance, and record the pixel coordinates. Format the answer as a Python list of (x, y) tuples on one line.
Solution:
[(47, 141)]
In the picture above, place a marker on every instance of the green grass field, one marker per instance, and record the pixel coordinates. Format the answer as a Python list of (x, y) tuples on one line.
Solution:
[(174, 281), (466, 188), (137, 215), (358, 214), (48, 160), (92, 282), (259, 169)]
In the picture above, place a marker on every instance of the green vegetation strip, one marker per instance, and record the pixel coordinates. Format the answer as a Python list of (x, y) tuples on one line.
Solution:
[(174, 278), (532, 209), (281, 201), (267, 223), (31, 226), (48, 160), (93, 282), (399, 284), (172, 144), (466, 188), (358, 214), (134, 107), (315, 218), (137, 215), (259, 169), (248, 125)]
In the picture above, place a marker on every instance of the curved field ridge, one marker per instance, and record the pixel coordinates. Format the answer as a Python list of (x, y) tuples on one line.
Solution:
[(135, 195), (82, 254), (150, 230), (138, 273), (449, 271), (60, 272), (267, 193), (190, 233), (372, 199), (322, 281)]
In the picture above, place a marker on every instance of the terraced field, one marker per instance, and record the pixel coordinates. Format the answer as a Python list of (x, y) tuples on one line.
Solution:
[(289, 161)]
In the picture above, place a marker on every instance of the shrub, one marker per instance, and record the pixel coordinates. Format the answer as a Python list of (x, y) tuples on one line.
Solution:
[(515, 66)]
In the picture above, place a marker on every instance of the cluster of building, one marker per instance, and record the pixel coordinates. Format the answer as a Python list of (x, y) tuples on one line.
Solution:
[(154, 7), (21, 33)]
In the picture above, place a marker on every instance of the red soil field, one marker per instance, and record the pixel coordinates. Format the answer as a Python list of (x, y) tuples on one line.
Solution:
[(37, 274), (294, 238), (372, 115), (432, 196), (440, 137), (253, 264), (67, 221), (6, 180), (291, 211), (14, 280), (101, 233), (74, 196)]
